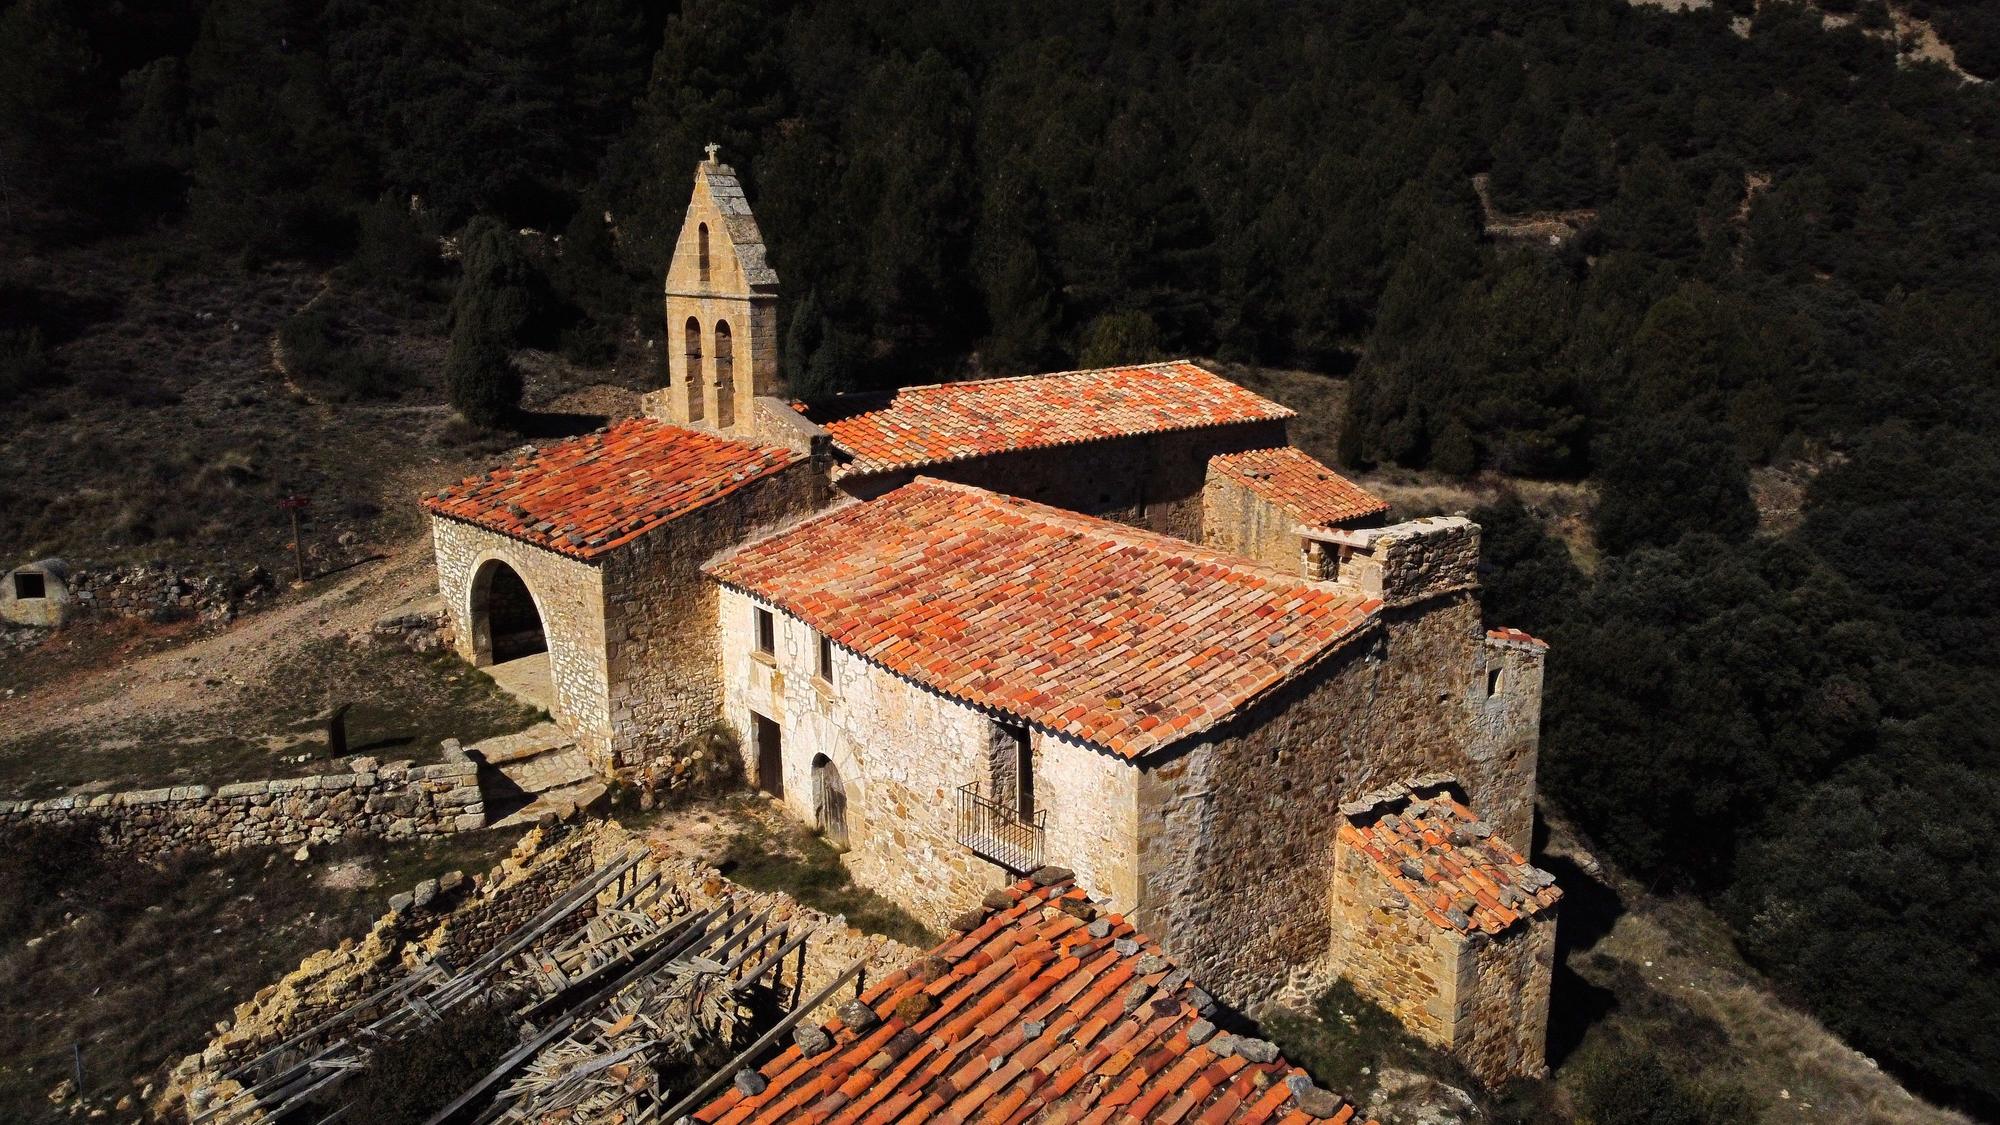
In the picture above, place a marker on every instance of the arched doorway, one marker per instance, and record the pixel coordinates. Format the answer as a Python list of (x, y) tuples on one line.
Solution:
[(829, 801), (508, 639), (502, 604), (691, 336), (725, 376)]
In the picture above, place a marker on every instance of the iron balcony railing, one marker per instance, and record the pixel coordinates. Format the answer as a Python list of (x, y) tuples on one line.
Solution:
[(999, 832)]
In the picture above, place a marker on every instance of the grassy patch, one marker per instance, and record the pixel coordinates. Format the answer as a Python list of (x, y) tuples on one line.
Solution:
[(802, 865), (1347, 1038), (403, 704), (138, 962)]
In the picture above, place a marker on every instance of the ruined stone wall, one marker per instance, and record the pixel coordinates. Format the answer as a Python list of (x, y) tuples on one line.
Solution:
[(1236, 829), (660, 651), (157, 590), (1392, 954), (569, 596), (1409, 562), (464, 915), (1507, 731), (1503, 1009), (395, 801), (1238, 520), (902, 752), (461, 918), (1153, 480)]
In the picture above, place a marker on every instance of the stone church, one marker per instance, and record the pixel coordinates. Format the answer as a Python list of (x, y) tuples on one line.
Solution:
[(1104, 620)]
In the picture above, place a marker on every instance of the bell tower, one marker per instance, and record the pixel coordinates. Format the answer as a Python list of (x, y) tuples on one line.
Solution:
[(722, 311)]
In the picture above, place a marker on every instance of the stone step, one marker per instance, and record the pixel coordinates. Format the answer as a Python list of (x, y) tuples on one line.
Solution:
[(538, 739), (550, 770), (561, 803)]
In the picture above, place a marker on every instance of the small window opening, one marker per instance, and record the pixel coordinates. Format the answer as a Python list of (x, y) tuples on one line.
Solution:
[(28, 586), (701, 250), (1495, 681), (767, 632), (826, 658)]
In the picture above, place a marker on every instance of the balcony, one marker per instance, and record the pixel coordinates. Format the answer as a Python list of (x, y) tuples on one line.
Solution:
[(998, 831)]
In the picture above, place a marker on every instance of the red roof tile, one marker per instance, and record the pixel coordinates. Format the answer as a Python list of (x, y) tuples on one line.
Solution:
[(1121, 637), (1039, 1010), (1515, 636), (590, 494), (1305, 489), (1449, 864), (943, 422)]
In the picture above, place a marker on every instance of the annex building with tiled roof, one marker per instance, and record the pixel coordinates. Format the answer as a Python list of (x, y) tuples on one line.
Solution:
[(1109, 620), (1041, 1007)]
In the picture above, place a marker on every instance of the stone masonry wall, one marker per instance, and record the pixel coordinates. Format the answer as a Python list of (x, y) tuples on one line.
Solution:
[(569, 596), (1238, 520), (1236, 830), (1507, 732), (395, 801), (1393, 955), (1152, 481), (1409, 562), (902, 752), (1503, 1027), (662, 659)]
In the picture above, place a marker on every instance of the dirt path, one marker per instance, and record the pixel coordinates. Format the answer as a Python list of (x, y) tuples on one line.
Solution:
[(213, 672)]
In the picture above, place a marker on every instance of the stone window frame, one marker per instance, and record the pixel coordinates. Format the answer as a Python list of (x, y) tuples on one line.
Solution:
[(1496, 680), (823, 664), (764, 624)]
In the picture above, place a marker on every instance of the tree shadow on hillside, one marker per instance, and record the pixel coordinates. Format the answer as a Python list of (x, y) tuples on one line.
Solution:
[(546, 424)]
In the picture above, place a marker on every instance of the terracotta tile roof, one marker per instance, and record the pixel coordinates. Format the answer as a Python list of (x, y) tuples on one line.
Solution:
[(1040, 1010), (1293, 480), (588, 495), (944, 422), (1449, 864), (1122, 637), (1515, 636)]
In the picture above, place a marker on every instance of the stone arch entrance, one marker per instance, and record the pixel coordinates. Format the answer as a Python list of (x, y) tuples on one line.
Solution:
[(829, 801), (509, 637), (506, 622)]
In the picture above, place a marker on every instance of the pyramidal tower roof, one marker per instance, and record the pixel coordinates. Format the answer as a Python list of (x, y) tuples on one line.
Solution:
[(725, 191)]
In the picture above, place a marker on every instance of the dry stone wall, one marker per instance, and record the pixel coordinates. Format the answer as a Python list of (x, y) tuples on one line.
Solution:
[(158, 590), (395, 801), (457, 918), (454, 913)]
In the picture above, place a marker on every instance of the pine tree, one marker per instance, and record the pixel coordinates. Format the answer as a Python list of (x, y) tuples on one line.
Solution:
[(494, 301)]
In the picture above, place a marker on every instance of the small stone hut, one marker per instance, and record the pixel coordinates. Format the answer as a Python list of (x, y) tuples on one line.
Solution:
[(37, 594)]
